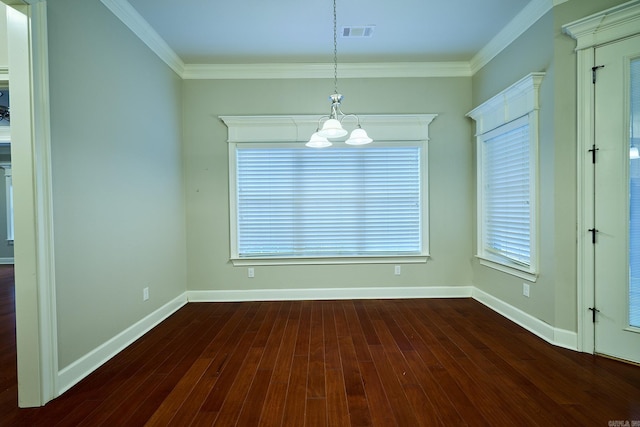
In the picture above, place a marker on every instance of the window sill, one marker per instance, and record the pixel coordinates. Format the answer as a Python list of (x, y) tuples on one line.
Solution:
[(509, 269), (402, 259)]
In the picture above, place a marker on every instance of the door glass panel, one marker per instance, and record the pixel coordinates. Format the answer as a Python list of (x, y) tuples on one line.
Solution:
[(634, 196)]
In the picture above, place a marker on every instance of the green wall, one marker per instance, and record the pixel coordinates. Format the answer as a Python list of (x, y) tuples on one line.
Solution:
[(206, 160), (140, 174), (543, 47), (117, 176), (4, 54)]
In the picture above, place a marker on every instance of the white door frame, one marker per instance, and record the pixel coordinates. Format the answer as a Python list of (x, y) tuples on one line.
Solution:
[(36, 325), (601, 28)]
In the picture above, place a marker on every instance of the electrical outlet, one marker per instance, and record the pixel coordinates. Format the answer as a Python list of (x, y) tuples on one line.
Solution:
[(397, 270), (251, 273), (525, 289), (145, 294)]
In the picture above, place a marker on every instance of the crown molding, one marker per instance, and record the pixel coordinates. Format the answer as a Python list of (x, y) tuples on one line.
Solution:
[(322, 71), (518, 25), (514, 29), (603, 27), (141, 28)]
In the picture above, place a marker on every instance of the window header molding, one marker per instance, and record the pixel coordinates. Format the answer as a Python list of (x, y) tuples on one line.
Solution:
[(612, 24), (393, 127), (517, 100)]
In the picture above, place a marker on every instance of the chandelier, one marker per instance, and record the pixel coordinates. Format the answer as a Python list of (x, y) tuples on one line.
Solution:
[(4, 111), (332, 126)]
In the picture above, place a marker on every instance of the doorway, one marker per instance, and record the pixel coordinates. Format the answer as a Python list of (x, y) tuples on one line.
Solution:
[(34, 287), (616, 307), (604, 185)]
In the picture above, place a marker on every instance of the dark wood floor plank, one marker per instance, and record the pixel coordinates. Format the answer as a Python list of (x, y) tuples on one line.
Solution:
[(423, 407), (219, 350), (497, 359), (316, 375), (253, 404), (273, 342), (331, 350), (356, 333), (296, 403), (316, 412), (488, 398), (143, 408), (440, 367), (175, 399), (428, 372), (335, 363), (400, 406), (231, 370), (274, 403), (365, 323), (304, 330), (176, 365), (337, 406), (237, 393), (357, 403), (275, 399), (379, 405)]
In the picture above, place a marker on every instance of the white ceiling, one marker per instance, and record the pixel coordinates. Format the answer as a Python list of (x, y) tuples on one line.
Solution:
[(301, 31)]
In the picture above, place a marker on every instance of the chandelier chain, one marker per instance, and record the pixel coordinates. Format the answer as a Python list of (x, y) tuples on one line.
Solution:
[(335, 47)]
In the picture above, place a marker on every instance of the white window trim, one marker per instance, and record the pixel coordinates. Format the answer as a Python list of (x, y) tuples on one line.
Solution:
[(385, 129), (518, 100), (9, 200)]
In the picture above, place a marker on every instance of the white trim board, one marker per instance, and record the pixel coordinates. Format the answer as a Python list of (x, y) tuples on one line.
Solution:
[(325, 70), (603, 27), (7, 260), (330, 294), (84, 366), (74, 373), (147, 34), (141, 28), (528, 16), (555, 336)]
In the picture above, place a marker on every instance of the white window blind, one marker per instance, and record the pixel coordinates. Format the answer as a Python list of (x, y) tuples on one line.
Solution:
[(506, 194), (341, 201)]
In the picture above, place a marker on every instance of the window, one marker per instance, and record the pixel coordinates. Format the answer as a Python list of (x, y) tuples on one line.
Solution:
[(294, 204), (506, 179), (506, 192), (9, 199)]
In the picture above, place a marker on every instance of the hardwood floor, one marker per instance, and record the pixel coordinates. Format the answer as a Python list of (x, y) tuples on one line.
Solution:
[(339, 363)]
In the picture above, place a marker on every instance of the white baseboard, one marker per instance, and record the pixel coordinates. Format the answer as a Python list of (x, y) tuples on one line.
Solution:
[(6, 261), (72, 374), (78, 370), (555, 336), (330, 294)]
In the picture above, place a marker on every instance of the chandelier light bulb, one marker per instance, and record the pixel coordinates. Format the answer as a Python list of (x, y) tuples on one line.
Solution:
[(358, 137), (332, 128), (317, 141)]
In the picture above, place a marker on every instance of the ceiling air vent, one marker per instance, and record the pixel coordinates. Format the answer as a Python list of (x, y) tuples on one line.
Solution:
[(353, 32)]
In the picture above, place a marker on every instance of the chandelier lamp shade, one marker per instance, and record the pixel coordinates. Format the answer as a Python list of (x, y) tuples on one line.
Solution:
[(330, 127)]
